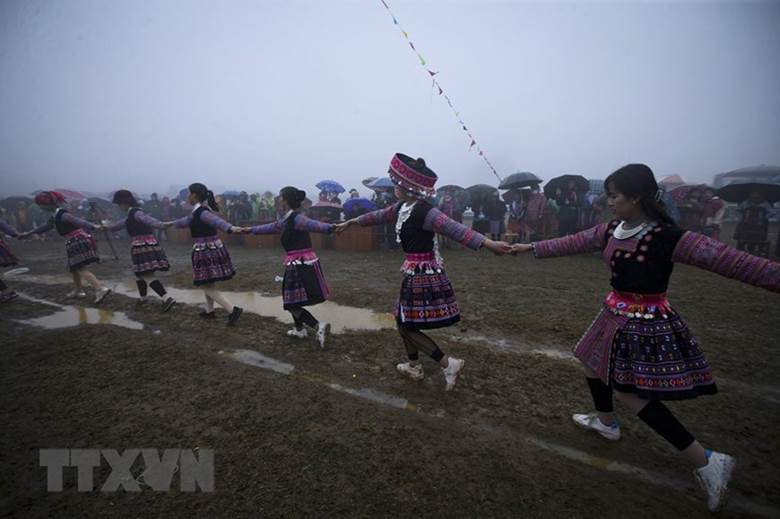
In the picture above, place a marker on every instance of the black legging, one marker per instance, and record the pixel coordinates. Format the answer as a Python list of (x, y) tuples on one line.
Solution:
[(416, 341), (302, 316), (155, 285)]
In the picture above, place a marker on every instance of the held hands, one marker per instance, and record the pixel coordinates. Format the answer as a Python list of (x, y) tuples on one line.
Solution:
[(23, 235), (239, 230), (341, 227), (518, 248), (499, 248)]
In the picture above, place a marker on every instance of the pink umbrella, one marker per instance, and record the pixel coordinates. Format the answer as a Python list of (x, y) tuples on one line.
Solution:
[(70, 194), (680, 194)]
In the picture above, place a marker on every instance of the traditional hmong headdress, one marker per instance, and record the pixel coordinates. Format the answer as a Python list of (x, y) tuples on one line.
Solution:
[(412, 175), (49, 198)]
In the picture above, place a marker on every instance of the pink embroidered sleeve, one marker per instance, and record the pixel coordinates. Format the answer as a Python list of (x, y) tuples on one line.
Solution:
[(382, 216), (440, 223), (45, 227), (589, 240), (148, 219), (119, 224), (7, 229), (307, 224), (79, 222), (182, 222), (704, 252), (209, 218), (267, 228)]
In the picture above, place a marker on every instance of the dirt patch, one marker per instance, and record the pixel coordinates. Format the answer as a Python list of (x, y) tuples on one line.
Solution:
[(290, 445)]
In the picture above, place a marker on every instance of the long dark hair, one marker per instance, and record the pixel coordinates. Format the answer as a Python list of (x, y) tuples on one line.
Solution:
[(202, 193), (123, 196), (293, 196), (638, 181)]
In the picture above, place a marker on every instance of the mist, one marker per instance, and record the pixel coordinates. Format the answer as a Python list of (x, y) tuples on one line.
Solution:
[(155, 95)]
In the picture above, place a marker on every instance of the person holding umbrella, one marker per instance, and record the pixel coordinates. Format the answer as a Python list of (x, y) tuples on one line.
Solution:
[(536, 205), (80, 245), (639, 349), (753, 227), (427, 300), (714, 208)]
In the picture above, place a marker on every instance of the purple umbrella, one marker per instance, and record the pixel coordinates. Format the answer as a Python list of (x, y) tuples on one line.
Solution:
[(353, 205), (331, 186)]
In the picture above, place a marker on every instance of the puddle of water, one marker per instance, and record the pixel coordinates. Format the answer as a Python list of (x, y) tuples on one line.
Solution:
[(259, 360), (69, 316), (555, 354), (341, 318)]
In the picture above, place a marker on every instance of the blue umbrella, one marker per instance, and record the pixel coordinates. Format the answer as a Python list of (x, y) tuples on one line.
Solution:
[(331, 186), (382, 183), (183, 193), (354, 204)]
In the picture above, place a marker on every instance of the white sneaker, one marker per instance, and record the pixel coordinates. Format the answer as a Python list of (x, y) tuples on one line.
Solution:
[(415, 372), (323, 330), (591, 421), (101, 294), (714, 479), (76, 293), (300, 334), (451, 372)]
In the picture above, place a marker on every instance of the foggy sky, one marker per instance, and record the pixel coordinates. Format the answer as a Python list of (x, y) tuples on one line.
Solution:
[(101, 94)]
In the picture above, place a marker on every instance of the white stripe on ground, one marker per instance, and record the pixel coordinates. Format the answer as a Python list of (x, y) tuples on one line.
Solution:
[(736, 503)]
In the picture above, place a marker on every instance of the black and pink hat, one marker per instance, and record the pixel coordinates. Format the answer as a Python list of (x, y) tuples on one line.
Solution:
[(412, 175)]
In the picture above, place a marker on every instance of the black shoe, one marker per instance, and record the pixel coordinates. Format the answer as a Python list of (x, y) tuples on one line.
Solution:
[(168, 304), (207, 315), (234, 315)]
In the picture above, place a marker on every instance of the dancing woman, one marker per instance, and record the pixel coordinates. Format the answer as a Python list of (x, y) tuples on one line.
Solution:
[(427, 300), (80, 246), (145, 251), (210, 259), (304, 283), (639, 349)]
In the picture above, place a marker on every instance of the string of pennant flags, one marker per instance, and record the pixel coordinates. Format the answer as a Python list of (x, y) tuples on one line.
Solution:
[(473, 141)]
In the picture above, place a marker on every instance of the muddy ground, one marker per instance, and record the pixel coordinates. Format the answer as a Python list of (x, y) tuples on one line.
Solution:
[(500, 445)]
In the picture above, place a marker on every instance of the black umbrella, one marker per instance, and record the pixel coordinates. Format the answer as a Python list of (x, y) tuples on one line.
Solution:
[(367, 181), (740, 192), (481, 189), (581, 184), (450, 188), (479, 194), (518, 180)]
